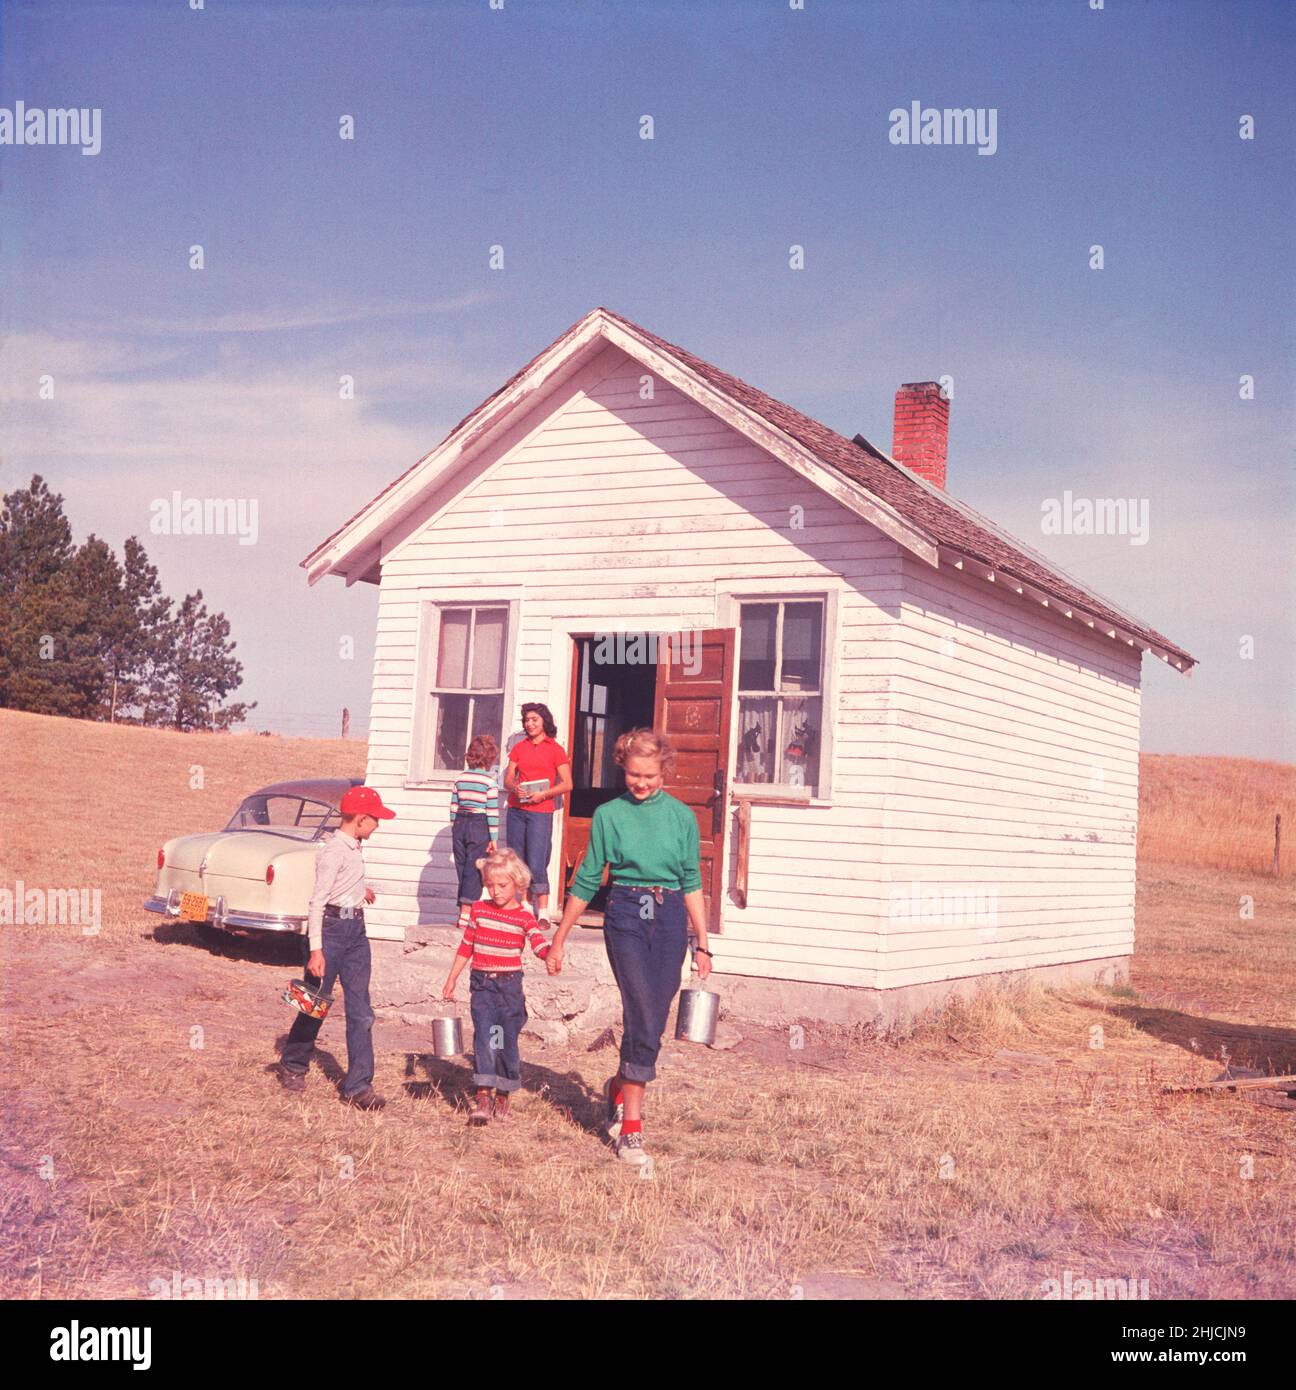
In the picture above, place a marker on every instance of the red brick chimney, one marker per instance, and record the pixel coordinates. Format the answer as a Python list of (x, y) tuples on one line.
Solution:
[(921, 433)]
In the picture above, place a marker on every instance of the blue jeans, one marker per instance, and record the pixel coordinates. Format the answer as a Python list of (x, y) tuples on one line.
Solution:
[(498, 1016), (469, 836), (530, 833), (646, 944), (346, 960)]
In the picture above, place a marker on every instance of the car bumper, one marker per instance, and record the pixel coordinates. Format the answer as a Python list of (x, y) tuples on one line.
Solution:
[(229, 919)]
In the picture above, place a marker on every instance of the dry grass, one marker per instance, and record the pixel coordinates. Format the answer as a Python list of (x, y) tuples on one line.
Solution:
[(1215, 813), (995, 1147), (116, 793)]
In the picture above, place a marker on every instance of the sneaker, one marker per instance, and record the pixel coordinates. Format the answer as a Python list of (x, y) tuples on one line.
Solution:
[(615, 1113), (481, 1112), (630, 1149), (368, 1099), (292, 1080), (501, 1105)]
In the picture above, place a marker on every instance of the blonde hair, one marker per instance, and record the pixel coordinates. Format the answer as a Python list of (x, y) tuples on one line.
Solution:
[(505, 861), (644, 743)]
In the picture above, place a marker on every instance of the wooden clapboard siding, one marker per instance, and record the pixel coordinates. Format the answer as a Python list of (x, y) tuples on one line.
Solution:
[(1015, 743), (612, 509)]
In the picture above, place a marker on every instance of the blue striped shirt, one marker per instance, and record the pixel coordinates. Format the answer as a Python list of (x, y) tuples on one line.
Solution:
[(476, 792)]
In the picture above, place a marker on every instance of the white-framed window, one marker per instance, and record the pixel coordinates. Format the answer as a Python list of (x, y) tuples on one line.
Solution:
[(463, 681), (780, 691), (782, 743)]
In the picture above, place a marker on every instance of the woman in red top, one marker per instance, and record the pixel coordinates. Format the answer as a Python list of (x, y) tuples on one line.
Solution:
[(539, 757)]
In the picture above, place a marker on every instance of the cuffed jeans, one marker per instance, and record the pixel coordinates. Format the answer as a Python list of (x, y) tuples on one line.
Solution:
[(530, 833), (646, 943), (498, 1016), (346, 961), (469, 836)]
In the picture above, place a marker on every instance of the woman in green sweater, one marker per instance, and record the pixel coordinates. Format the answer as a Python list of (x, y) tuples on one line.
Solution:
[(649, 840)]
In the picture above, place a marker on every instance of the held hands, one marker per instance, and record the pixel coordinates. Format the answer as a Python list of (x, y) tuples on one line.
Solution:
[(554, 960)]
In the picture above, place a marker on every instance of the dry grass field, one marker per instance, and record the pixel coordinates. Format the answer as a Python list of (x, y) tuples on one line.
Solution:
[(1002, 1143)]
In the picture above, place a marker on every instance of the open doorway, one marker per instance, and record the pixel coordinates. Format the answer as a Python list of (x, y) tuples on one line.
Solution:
[(681, 683), (613, 689)]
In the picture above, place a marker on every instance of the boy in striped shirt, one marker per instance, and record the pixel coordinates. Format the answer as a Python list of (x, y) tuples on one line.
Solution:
[(474, 818), (493, 940)]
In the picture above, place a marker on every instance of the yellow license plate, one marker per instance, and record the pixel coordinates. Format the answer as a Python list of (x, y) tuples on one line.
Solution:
[(193, 907)]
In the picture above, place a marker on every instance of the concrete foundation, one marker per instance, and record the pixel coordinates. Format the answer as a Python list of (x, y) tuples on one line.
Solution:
[(780, 1002), (408, 978)]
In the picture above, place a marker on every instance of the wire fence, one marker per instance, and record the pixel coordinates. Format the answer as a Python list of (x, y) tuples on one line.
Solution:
[(316, 723)]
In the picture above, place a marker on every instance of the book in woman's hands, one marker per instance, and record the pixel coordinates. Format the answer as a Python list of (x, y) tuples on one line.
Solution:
[(536, 788)]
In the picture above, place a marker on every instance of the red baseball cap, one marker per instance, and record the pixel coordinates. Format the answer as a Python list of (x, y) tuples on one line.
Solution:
[(364, 801)]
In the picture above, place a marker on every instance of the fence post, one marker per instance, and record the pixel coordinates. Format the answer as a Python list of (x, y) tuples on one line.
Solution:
[(1277, 841), (346, 721)]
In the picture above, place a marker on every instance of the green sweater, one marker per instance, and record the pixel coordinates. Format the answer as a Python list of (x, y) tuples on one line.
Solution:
[(652, 842)]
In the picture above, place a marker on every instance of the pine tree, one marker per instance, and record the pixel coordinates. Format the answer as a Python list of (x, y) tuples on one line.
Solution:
[(48, 658), (84, 635), (202, 669), (142, 659)]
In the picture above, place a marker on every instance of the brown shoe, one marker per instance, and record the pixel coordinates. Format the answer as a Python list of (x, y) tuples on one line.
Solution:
[(365, 1100), (481, 1112), (292, 1080), (501, 1105)]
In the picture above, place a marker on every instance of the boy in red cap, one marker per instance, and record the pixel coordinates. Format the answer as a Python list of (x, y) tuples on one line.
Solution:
[(337, 949)]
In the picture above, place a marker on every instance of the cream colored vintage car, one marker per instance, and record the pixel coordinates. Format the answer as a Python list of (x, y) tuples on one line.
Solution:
[(258, 873)]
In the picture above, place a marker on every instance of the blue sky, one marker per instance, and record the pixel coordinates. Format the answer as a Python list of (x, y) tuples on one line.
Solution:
[(520, 126)]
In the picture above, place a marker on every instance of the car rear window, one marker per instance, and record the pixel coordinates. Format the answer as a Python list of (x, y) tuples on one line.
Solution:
[(297, 817)]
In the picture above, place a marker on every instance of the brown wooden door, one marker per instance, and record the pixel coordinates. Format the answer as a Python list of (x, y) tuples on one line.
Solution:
[(695, 685)]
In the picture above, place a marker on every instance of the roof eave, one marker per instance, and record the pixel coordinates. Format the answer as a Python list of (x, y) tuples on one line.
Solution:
[(363, 532), (1064, 607), (354, 548)]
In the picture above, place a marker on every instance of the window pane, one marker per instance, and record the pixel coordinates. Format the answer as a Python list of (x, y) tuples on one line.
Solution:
[(756, 656), (488, 649), (488, 717), (451, 741), (802, 723), (452, 656), (802, 639), (756, 740)]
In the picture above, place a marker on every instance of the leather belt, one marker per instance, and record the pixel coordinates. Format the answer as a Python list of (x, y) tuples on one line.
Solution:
[(655, 889)]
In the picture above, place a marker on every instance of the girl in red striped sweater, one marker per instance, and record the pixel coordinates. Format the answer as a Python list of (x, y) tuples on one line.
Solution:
[(493, 940)]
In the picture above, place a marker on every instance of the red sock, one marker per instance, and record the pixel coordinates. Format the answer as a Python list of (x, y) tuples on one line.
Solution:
[(616, 1090), (631, 1126)]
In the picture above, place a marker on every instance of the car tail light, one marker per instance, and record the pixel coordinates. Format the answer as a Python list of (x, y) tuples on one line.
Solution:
[(161, 859), (269, 873)]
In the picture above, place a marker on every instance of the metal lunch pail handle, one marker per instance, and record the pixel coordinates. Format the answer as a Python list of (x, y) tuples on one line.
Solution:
[(315, 994)]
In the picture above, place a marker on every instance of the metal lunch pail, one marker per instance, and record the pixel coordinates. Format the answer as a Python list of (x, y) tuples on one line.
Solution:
[(311, 1002), (699, 1010), (447, 1037)]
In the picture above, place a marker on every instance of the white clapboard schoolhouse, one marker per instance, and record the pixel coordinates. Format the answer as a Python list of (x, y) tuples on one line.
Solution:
[(911, 742)]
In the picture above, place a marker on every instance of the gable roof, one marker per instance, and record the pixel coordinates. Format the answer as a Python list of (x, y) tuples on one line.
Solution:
[(921, 517)]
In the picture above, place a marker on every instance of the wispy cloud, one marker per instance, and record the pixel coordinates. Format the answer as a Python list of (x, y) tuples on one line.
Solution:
[(274, 319)]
